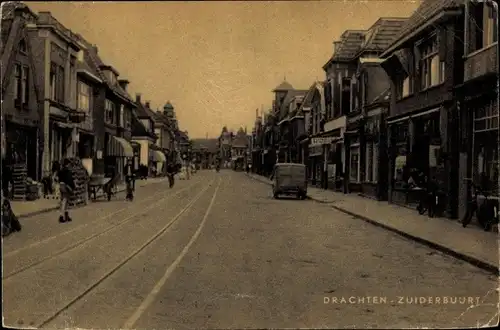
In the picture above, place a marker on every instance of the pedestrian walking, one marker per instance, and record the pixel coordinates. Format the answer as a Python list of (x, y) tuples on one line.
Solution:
[(170, 173), (129, 179), (66, 188)]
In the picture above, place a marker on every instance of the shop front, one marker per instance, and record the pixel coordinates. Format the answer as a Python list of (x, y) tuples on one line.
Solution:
[(355, 154), (324, 163), (157, 161), (315, 163), (22, 148), (85, 150), (415, 144), (116, 151), (479, 142), (374, 182)]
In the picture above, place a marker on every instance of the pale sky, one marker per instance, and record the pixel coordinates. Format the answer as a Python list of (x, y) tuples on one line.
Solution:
[(218, 61)]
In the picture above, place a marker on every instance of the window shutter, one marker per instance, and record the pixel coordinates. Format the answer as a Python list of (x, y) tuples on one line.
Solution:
[(442, 44)]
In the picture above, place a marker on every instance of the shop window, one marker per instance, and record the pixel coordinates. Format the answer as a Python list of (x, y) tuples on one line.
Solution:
[(399, 147), (486, 158), (486, 118), (354, 164), (375, 163), (483, 25)]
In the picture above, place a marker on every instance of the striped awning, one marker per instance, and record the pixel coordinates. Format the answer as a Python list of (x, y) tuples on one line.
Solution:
[(157, 156), (119, 147)]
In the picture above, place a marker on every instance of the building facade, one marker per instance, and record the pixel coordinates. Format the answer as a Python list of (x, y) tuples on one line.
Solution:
[(58, 60), (365, 139), (339, 71), (22, 129), (478, 100), (424, 63)]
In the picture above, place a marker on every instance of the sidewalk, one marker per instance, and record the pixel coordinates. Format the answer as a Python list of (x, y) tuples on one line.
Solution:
[(25, 209), (470, 244)]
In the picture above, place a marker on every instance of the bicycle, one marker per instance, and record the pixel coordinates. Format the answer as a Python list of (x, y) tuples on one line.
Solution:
[(487, 212)]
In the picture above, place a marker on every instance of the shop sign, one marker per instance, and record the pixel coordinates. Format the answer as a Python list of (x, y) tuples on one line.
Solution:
[(322, 140)]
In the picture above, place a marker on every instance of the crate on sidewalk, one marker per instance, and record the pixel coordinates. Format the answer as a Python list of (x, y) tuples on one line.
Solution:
[(81, 179), (19, 179)]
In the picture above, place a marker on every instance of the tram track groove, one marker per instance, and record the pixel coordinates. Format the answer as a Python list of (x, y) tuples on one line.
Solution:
[(125, 260), (107, 216), (91, 237)]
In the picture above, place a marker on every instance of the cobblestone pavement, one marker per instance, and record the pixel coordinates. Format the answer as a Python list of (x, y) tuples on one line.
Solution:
[(471, 244), (227, 255)]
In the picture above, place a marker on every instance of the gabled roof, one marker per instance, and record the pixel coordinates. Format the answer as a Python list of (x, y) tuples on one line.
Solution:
[(350, 44), (285, 106), (139, 130), (382, 33), (316, 86), (209, 144), (283, 87), (15, 15), (99, 65), (240, 139), (425, 13)]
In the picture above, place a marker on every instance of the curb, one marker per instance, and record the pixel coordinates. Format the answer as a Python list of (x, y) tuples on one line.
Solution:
[(50, 209), (439, 247), (459, 255)]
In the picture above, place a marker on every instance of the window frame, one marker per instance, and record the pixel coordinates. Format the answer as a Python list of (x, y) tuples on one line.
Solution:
[(429, 51), (354, 147), (24, 84), (483, 37), (81, 84), (17, 83), (109, 112)]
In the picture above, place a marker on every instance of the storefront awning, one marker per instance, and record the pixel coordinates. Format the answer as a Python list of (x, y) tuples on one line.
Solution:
[(119, 147), (157, 156), (63, 125)]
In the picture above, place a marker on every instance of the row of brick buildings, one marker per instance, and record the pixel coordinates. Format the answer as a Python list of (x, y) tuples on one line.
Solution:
[(59, 99), (417, 93)]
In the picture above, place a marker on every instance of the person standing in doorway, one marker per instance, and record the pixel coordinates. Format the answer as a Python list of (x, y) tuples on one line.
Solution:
[(66, 188)]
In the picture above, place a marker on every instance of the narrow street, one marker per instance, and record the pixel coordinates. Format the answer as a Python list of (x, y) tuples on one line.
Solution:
[(217, 251)]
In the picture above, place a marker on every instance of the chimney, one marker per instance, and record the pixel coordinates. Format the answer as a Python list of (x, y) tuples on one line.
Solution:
[(138, 97), (336, 45), (123, 83), (147, 104)]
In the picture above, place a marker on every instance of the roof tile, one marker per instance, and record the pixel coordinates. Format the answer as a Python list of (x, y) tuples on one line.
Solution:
[(426, 10)]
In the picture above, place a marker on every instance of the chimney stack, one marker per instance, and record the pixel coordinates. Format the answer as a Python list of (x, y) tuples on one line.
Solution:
[(138, 97), (147, 104), (123, 83)]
